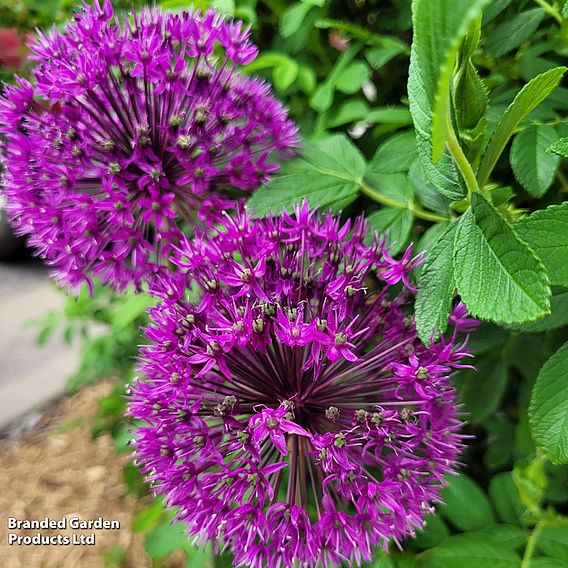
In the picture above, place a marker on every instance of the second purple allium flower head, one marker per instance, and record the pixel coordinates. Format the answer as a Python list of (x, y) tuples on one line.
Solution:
[(288, 409), (131, 126)]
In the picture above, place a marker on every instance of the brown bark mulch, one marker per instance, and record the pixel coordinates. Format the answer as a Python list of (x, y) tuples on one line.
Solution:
[(58, 470)]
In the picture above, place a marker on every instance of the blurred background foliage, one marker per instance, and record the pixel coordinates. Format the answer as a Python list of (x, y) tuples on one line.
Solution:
[(342, 67)]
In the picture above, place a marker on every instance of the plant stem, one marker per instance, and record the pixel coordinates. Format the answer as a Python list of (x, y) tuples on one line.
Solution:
[(531, 545), (550, 10), (459, 157), (414, 207)]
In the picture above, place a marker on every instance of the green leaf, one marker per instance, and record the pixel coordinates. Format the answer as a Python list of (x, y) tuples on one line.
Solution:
[(444, 175), (466, 505), (470, 97), (395, 224), (560, 147), (553, 541), (306, 79), (349, 111), (284, 68), (439, 27), (542, 562), (390, 115), (379, 56), (395, 187), (472, 550), (494, 9), (546, 232), (284, 75), (328, 175), (498, 277), (351, 79), (532, 165), (436, 287), (148, 517), (425, 191), (508, 535), (397, 154), (530, 96), (511, 33), (434, 532), (548, 409), (322, 99), (483, 388), (133, 307), (293, 18), (505, 497), (166, 538), (558, 314)]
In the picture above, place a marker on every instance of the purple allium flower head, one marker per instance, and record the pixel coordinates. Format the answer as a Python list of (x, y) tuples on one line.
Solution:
[(130, 128), (287, 407)]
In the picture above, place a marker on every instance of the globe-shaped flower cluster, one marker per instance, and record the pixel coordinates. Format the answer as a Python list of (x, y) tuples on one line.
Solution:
[(130, 127), (287, 408)]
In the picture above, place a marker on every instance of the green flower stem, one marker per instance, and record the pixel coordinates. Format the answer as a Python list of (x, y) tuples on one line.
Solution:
[(414, 207), (550, 10), (460, 159), (531, 545)]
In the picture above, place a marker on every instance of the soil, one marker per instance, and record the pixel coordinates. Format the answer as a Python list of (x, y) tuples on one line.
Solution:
[(58, 470)]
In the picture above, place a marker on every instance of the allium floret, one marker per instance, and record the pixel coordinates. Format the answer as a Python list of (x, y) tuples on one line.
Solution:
[(287, 408), (133, 125)]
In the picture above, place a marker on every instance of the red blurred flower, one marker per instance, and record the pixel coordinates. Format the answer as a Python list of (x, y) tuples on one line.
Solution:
[(10, 47)]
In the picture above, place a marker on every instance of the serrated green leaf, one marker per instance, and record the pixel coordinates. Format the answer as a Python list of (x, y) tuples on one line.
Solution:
[(466, 505), (395, 224), (436, 287), (548, 409), (530, 96), (546, 232), (483, 388), (444, 175), (532, 165), (511, 33), (395, 155), (505, 497), (498, 277), (472, 550), (560, 147), (328, 175), (439, 27), (565, 10), (470, 97)]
